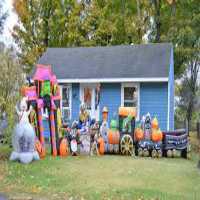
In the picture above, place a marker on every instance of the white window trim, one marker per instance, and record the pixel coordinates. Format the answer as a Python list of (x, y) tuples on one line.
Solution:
[(123, 85), (113, 80), (81, 96), (70, 98)]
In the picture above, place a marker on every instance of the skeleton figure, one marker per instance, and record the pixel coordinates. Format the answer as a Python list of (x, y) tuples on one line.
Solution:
[(24, 137), (94, 139), (146, 125)]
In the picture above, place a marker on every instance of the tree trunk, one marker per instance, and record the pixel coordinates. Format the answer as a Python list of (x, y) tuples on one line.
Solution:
[(157, 4), (139, 21)]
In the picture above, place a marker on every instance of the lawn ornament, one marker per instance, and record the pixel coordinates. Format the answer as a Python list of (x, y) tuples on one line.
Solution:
[(105, 114), (176, 143), (113, 137), (24, 137), (44, 96), (101, 146), (154, 123), (73, 137), (104, 134), (126, 128), (139, 134), (151, 143), (94, 136), (84, 117)]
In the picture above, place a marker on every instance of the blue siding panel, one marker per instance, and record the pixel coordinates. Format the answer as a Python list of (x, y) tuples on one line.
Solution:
[(75, 101), (154, 99), (171, 92), (110, 96)]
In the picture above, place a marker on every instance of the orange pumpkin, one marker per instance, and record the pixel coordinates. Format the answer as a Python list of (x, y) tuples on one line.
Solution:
[(113, 136), (139, 134), (154, 123), (63, 147), (101, 146), (40, 149), (157, 135)]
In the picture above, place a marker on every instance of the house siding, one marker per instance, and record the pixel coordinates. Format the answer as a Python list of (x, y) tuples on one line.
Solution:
[(110, 96), (75, 101), (171, 92), (154, 99)]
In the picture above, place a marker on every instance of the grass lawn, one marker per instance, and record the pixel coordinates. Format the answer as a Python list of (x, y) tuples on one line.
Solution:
[(105, 177)]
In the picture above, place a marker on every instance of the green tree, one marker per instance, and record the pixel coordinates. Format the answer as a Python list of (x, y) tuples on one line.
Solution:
[(45, 24), (11, 77)]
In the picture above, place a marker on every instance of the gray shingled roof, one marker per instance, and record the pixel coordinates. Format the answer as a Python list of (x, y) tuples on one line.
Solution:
[(125, 61)]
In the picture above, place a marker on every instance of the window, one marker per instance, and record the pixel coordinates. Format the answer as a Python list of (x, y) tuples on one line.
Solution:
[(130, 95), (66, 102)]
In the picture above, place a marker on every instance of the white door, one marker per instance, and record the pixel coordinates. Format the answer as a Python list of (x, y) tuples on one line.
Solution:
[(89, 95)]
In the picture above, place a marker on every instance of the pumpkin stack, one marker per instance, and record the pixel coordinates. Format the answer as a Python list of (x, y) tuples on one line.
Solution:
[(113, 137), (156, 134)]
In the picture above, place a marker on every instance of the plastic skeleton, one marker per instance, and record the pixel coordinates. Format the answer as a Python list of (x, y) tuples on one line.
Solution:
[(94, 139)]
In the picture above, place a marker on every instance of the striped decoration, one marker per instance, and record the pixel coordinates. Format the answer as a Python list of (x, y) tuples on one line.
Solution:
[(53, 133), (41, 129)]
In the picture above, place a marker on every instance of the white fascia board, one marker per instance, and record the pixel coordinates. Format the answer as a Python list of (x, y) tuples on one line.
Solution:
[(113, 80)]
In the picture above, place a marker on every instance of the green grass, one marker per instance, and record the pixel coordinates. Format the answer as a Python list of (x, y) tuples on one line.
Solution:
[(115, 177), (105, 177)]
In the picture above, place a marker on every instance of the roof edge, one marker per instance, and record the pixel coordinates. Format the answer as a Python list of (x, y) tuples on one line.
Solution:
[(113, 80)]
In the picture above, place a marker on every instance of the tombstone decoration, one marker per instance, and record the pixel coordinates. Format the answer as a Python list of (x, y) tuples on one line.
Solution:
[(24, 137), (146, 124)]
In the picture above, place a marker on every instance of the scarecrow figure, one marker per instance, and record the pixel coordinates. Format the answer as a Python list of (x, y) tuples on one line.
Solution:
[(84, 118), (24, 136), (127, 126)]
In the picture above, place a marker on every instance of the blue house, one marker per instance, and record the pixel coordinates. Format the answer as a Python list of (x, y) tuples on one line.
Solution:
[(140, 76)]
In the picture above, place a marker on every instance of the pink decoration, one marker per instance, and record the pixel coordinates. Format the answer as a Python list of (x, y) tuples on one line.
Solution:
[(43, 72), (40, 103)]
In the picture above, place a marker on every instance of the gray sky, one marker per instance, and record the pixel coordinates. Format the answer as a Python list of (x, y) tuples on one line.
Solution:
[(10, 22)]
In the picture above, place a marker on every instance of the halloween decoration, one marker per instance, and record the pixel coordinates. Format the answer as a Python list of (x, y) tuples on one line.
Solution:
[(113, 137), (44, 96), (104, 134), (148, 138), (176, 143), (94, 133), (24, 137), (126, 128)]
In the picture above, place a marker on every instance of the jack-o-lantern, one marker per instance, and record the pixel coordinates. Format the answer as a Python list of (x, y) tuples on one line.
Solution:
[(139, 134), (101, 146), (157, 135)]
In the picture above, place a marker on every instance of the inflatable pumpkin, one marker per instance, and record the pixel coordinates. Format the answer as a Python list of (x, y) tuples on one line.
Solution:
[(154, 123), (139, 134), (113, 133), (101, 147), (63, 148), (113, 136), (156, 135), (40, 149)]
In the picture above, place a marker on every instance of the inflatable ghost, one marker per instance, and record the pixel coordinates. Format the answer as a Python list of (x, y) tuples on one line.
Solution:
[(24, 137)]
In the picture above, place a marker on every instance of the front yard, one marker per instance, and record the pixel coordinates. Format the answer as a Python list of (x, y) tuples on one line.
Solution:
[(105, 177)]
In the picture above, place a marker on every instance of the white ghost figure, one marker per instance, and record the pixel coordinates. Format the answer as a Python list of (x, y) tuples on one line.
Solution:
[(24, 137)]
